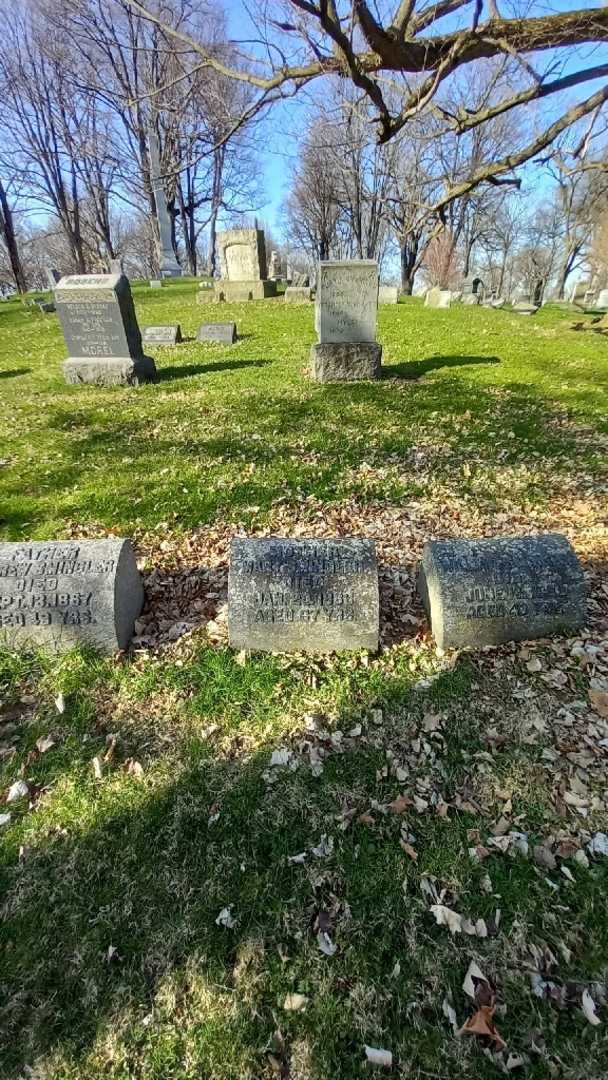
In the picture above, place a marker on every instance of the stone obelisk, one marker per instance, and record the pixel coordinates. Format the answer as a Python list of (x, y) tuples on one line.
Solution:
[(169, 266)]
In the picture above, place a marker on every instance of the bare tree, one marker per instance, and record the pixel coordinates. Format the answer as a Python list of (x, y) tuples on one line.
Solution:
[(301, 41)]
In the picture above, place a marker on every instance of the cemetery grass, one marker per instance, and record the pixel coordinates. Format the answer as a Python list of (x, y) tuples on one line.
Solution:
[(399, 781)]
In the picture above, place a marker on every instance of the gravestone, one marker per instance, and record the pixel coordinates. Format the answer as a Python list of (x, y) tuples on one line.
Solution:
[(224, 333), (299, 279), (388, 294), (524, 307), (58, 594), (483, 592), (298, 294), (52, 276), (162, 335), (243, 262), (303, 595), (156, 283), (579, 290), (274, 269), (168, 264), (345, 321), (116, 266), (602, 299), (438, 298), (100, 328)]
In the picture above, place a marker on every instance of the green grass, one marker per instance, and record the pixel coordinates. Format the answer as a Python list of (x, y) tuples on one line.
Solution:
[(112, 961)]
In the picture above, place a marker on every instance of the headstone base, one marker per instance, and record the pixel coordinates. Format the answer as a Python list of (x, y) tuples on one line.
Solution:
[(234, 291), (109, 370), (298, 294), (345, 361)]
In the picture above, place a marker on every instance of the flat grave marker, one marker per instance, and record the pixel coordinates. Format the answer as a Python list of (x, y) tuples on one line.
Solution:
[(303, 595), (58, 594), (484, 592), (220, 333), (162, 335)]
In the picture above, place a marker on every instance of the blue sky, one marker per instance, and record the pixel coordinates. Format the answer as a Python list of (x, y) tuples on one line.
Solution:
[(278, 133)]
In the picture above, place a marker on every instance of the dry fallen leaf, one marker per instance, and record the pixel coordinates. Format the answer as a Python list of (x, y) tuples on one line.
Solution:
[(18, 790), (400, 804), (588, 1006), (97, 768), (226, 918), (599, 702), (134, 768), (60, 703), (473, 972), (409, 850), (376, 1056), (4, 819), (295, 1002), (444, 916), (44, 743)]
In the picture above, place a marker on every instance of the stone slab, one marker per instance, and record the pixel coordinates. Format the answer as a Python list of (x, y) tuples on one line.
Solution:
[(224, 333), (438, 298), (155, 283), (602, 298), (388, 294), (242, 254), (109, 370), (483, 592), (162, 335), (348, 362), (237, 291), (524, 307), (55, 595), (100, 328), (298, 294), (347, 301), (303, 595)]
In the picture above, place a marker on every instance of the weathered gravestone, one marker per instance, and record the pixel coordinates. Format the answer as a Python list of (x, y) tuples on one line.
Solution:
[(58, 594), (224, 333), (303, 595), (52, 276), (167, 262), (274, 268), (298, 294), (345, 321), (482, 592), (243, 263), (602, 298), (162, 335), (438, 298), (524, 307), (156, 283), (388, 294), (100, 328)]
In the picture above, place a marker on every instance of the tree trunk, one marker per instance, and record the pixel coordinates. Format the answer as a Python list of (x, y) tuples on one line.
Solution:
[(408, 253), (8, 232), (216, 202)]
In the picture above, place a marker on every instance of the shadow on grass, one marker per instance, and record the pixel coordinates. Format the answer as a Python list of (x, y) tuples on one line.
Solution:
[(15, 371), (102, 916), (415, 369), (187, 370)]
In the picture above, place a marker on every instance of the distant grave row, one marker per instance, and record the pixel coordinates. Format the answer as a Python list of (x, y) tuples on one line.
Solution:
[(298, 595)]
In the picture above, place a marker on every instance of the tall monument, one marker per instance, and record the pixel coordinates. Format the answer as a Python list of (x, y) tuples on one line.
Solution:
[(169, 266)]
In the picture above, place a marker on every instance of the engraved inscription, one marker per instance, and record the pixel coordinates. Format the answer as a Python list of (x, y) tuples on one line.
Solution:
[(348, 302), (37, 587), (279, 588)]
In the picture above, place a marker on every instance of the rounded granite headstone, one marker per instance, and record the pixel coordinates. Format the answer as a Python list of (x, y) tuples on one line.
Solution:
[(483, 592), (55, 595), (303, 595)]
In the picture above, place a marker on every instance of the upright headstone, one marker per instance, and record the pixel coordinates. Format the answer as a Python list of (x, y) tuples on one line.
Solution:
[(243, 262), (483, 592), (345, 320), (602, 299), (438, 298), (274, 268), (100, 328), (168, 264), (58, 594), (218, 332), (578, 293), (388, 294), (303, 595), (52, 276), (297, 294), (156, 283), (162, 335)]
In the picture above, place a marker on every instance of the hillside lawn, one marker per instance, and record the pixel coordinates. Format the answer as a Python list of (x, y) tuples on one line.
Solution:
[(154, 921)]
